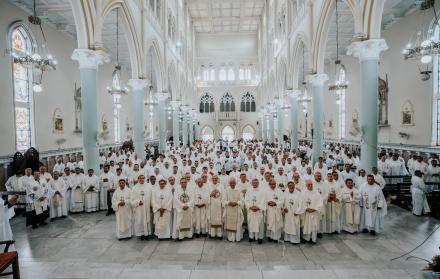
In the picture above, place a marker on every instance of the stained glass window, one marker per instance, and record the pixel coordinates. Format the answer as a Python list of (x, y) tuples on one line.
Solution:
[(248, 103), (206, 104), (23, 103), (227, 103)]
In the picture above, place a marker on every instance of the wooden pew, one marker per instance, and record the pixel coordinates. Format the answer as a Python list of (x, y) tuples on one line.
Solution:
[(9, 259)]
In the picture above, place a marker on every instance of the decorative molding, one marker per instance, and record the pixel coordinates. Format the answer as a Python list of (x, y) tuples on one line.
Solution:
[(367, 50), (90, 59)]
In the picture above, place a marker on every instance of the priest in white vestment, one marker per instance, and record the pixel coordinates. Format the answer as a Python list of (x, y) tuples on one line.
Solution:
[(418, 193), (215, 210), (292, 210), (162, 204), (5, 227), (201, 200), (121, 203), (255, 201), (141, 205), (69, 184), (37, 203), (351, 211), (373, 207), (233, 211), (91, 192), (106, 185), (274, 206), (312, 203), (184, 206), (77, 199), (323, 190), (333, 206), (57, 194)]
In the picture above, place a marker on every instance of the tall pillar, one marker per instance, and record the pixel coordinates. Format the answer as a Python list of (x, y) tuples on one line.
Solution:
[(368, 53), (175, 106), (196, 128), (261, 126), (191, 126), (280, 119), (89, 60), (138, 86), (293, 94), (161, 98), (270, 126), (317, 82), (185, 126)]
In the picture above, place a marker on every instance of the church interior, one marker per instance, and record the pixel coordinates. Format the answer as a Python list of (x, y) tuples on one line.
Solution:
[(308, 86)]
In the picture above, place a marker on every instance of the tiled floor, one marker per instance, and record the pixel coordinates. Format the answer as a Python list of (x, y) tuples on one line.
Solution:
[(84, 246)]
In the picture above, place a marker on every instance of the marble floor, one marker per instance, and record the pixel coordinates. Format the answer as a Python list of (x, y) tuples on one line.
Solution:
[(84, 246)]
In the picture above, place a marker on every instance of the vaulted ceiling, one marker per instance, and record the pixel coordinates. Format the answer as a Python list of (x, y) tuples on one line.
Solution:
[(226, 15)]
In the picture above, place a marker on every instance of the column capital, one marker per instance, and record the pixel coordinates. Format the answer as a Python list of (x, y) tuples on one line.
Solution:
[(90, 59), (293, 93), (317, 79), (138, 84), (175, 104), (162, 96), (367, 50)]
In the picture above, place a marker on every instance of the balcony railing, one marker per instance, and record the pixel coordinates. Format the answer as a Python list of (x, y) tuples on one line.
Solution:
[(228, 115)]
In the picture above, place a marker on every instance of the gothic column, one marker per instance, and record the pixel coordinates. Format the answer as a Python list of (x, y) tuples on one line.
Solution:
[(185, 126), (280, 119), (293, 94), (317, 82), (196, 127), (261, 126), (138, 86), (89, 60), (191, 126), (368, 53), (175, 106), (161, 98), (270, 136)]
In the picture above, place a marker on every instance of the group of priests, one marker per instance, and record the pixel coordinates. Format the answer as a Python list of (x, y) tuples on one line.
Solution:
[(214, 189)]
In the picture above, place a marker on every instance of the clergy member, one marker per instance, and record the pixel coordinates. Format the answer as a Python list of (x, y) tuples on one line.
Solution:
[(350, 207), (373, 207), (141, 204), (57, 194), (292, 210), (162, 203), (418, 193), (255, 201), (184, 205), (215, 213), (91, 189), (121, 203), (233, 211), (274, 219), (201, 200)]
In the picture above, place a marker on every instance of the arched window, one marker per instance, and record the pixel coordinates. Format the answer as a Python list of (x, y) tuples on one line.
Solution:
[(248, 133), (205, 73), (248, 103), (222, 74), (207, 134), (227, 103), (212, 74), (21, 43), (206, 103), (228, 133), (340, 95), (117, 107), (248, 75), (436, 97), (231, 74), (241, 73)]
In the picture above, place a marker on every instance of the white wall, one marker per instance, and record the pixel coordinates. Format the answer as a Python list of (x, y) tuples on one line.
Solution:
[(58, 91), (404, 84)]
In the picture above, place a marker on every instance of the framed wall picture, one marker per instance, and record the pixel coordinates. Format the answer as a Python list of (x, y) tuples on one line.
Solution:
[(58, 122), (407, 114)]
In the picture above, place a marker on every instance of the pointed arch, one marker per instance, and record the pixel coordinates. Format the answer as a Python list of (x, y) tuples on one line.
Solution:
[(158, 67)]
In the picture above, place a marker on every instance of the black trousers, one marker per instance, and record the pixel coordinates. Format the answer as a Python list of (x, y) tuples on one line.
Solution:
[(33, 219)]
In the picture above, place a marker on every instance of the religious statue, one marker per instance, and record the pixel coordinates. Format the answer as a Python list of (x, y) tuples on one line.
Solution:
[(78, 106), (383, 101)]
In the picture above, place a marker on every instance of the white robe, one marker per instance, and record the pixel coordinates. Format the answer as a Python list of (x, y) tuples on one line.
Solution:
[(418, 193), (123, 213), (68, 197), (233, 214), (373, 207), (255, 197), (91, 196), (162, 198), (77, 198), (333, 209), (323, 190), (106, 182), (215, 210), (201, 196), (57, 198), (313, 200), (274, 219), (5, 227), (141, 213), (293, 205), (183, 227), (350, 209)]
